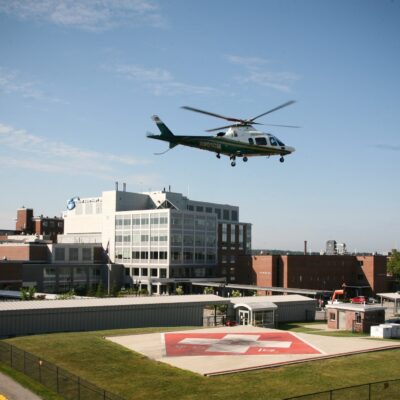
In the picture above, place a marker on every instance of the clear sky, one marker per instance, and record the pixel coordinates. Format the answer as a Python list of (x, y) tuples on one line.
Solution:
[(79, 82)]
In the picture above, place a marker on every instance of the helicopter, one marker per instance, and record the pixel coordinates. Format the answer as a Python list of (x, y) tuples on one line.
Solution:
[(240, 140)]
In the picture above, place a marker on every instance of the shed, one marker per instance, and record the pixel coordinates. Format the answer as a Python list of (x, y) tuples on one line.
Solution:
[(290, 308), (354, 317), (48, 316), (393, 297), (256, 314)]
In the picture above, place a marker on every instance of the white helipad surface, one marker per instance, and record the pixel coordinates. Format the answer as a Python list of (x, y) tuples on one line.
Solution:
[(229, 349)]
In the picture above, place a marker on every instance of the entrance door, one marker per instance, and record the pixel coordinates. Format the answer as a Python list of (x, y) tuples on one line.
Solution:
[(342, 320), (243, 317)]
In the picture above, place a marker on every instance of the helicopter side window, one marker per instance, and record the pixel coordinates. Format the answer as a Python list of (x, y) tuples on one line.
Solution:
[(273, 141), (251, 141), (261, 141)]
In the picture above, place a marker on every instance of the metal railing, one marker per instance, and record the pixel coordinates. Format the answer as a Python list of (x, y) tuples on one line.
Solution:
[(383, 390), (58, 380)]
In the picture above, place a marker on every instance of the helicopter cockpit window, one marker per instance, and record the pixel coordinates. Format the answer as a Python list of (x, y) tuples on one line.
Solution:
[(251, 141), (261, 141), (273, 141), (280, 143)]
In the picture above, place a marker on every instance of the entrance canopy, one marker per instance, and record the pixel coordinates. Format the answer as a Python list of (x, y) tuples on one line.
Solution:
[(256, 306)]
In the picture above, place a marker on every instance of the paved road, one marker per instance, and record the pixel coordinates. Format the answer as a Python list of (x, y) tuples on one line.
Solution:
[(12, 390)]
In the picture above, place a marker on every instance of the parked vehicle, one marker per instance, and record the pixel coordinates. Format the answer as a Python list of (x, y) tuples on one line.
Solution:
[(359, 300)]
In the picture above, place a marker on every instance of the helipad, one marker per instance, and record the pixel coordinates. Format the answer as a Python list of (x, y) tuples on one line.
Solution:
[(233, 349)]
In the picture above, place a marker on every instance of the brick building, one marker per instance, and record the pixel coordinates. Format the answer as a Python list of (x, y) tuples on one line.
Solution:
[(366, 274), (27, 224), (55, 268)]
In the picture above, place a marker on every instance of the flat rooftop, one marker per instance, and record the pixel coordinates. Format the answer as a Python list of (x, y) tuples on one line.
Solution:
[(111, 302)]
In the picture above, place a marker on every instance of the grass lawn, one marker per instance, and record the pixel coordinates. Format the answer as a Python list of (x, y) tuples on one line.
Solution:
[(133, 376)]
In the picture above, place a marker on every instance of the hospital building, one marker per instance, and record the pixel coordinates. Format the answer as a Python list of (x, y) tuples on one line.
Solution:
[(162, 239)]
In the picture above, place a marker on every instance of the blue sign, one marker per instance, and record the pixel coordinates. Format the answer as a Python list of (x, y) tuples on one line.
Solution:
[(72, 203)]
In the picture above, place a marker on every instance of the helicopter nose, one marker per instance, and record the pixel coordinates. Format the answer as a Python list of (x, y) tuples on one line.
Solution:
[(290, 149)]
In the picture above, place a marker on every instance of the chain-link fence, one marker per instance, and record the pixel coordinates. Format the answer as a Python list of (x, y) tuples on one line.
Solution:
[(383, 390), (55, 378)]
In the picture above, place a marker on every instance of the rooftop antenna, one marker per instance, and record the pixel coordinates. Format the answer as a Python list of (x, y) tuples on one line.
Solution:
[(116, 186)]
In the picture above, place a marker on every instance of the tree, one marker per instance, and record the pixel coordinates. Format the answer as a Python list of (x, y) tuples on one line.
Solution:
[(28, 293), (393, 264), (235, 293), (208, 290), (114, 290), (100, 290), (179, 290)]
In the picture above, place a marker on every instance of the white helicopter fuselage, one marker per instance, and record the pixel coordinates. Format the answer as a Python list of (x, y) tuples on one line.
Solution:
[(247, 135)]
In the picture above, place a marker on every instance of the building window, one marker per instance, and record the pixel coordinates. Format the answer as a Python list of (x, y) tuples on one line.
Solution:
[(135, 255), (163, 255), (144, 255), (223, 259), (154, 255), (233, 233), (163, 273), (224, 233), (218, 212), (232, 260), (135, 272), (332, 316), (145, 271), (234, 215), (226, 214), (154, 219), (119, 222), (49, 272), (86, 254), (358, 318), (190, 207), (199, 209), (127, 271), (208, 210), (73, 254), (60, 254), (154, 272)]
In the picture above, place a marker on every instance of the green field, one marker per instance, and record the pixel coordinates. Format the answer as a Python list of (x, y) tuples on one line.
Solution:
[(133, 376)]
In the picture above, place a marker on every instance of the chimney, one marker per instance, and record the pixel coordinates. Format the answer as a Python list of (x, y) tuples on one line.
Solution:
[(124, 187), (116, 186), (305, 247)]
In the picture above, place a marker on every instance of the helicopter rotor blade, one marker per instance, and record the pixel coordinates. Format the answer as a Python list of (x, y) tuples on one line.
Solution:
[(282, 126), (213, 114), (288, 103)]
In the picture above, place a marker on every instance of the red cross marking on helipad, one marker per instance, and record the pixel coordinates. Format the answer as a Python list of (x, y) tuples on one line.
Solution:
[(214, 344)]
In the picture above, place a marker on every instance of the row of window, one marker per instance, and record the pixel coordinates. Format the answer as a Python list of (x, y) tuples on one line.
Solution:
[(65, 272), (178, 221), (73, 254), (154, 272), (88, 208), (225, 214), (138, 220), (177, 239), (177, 256)]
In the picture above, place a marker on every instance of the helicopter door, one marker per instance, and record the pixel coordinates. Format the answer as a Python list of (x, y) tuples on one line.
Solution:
[(251, 141)]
